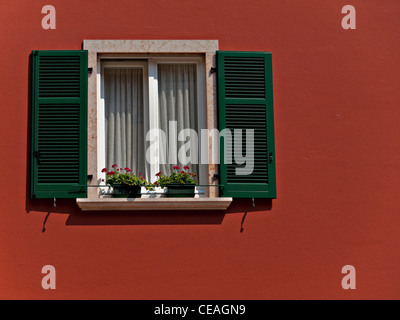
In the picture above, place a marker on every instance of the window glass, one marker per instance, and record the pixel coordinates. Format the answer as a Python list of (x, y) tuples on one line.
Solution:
[(177, 98), (124, 118)]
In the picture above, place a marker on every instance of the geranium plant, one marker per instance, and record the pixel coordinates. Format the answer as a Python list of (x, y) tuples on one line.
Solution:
[(177, 177), (123, 176)]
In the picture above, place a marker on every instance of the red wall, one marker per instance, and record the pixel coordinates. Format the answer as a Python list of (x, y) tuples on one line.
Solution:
[(337, 115)]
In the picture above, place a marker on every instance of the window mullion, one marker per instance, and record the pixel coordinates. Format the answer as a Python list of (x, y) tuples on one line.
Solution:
[(101, 140), (154, 115)]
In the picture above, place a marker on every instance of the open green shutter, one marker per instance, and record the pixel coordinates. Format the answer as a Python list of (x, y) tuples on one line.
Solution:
[(245, 101), (59, 124)]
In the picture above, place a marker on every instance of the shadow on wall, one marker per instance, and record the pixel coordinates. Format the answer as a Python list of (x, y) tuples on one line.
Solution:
[(93, 218), (193, 217)]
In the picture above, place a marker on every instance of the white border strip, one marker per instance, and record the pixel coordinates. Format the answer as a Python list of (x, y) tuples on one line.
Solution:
[(151, 46)]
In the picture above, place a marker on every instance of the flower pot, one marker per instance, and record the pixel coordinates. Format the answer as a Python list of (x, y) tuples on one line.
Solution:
[(178, 190), (125, 191)]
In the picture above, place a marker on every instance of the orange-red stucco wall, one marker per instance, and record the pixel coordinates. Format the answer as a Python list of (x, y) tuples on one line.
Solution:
[(337, 126)]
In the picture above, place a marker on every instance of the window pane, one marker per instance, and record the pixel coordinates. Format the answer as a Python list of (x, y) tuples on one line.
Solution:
[(177, 90), (123, 96)]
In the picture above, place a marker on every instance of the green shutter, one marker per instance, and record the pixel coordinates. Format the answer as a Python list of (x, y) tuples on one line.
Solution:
[(59, 124), (245, 101)]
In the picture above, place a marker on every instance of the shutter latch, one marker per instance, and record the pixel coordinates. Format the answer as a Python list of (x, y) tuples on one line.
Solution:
[(270, 157), (254, 203), (36, 154)]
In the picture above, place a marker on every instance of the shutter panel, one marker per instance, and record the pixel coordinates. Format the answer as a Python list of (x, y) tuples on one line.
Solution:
[(245, 101), (59, 124)]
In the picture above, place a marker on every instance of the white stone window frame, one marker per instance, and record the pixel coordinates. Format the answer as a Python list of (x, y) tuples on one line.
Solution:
[(98, 49)]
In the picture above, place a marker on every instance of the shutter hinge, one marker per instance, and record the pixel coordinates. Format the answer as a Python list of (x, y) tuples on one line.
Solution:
[(36, 154), (270, 157), (213, 70)]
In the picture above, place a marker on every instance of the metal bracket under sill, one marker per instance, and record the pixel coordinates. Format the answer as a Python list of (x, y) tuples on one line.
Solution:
[(156, 204)]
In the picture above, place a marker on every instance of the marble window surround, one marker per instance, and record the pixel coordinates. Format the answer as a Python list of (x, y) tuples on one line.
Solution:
[(95, 48)]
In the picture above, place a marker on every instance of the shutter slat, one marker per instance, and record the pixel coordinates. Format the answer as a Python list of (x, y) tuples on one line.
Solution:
[(64, 73)]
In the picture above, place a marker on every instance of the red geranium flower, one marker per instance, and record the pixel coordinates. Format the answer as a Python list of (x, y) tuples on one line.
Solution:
[(114, 166), (140, 174), (110, 173), (186, 167), (104, 170), (194, 174), (177, 167), (158, 174)]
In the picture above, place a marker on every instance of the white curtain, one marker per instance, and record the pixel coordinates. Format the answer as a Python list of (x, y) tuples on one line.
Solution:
[(124, 121), (177, 90)]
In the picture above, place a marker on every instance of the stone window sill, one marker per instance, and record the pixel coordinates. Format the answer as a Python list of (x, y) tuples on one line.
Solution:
[(154, 204)]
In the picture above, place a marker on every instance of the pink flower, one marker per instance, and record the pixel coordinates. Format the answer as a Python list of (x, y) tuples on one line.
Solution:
[(186, 167), (177, 167), (140, 174)]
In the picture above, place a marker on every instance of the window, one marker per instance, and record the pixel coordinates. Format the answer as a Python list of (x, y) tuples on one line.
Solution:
[(83, 122), (162, 94)]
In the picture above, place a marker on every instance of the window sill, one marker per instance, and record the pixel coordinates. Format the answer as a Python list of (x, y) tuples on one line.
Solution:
[(154, 204)]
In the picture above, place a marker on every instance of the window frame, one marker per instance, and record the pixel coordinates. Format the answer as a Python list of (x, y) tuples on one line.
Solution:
[(120, 49), (149, 68)]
